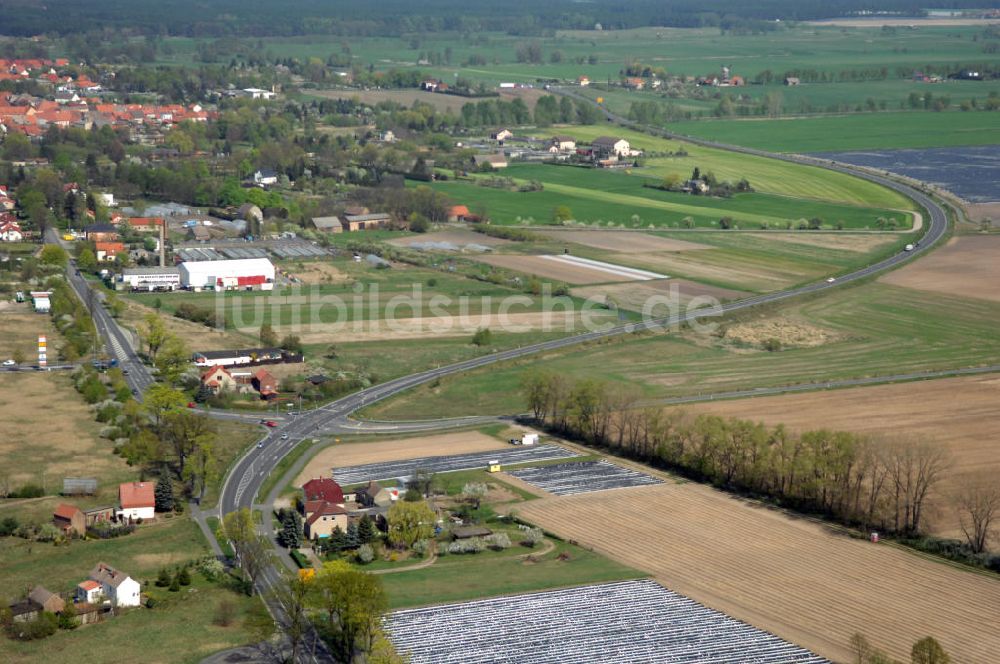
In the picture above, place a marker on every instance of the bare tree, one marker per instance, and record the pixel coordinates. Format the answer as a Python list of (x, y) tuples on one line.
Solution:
[(977, 501), (914, 469)]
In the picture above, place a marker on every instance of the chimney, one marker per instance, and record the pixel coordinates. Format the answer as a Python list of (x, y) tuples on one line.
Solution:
[(163, 242)]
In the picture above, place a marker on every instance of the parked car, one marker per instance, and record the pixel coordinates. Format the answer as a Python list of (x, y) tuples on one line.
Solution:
[(192, 404), (9, 363)]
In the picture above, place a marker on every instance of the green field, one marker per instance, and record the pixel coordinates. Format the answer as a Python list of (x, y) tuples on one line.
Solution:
[(770, 176), (877, 330), (868, 131), (462, 577), (619, 198), (184, 616)]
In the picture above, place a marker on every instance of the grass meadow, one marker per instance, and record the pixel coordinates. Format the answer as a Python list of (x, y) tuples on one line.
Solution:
[(874, 329), (621, 198), (867, 131), (138, 634)]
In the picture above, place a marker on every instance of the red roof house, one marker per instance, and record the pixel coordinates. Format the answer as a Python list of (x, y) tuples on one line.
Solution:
[(136, 500), (323, 488), (69, 519), (265, 383)]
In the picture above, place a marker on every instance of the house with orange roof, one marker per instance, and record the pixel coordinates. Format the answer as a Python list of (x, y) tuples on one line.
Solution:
[(108, 251), (218, 379), (136, 501), (69, 519)]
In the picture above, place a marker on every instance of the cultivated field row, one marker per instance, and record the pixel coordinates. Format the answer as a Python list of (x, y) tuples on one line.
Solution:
[(793, 577)]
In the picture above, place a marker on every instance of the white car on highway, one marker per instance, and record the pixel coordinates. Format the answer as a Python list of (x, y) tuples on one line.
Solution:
[(9, 363), (830, 280)]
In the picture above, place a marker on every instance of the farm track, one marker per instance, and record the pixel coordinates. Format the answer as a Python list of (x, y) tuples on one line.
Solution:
[(795, 578)]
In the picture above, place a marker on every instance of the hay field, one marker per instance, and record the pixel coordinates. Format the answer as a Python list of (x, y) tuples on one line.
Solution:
[(21, 327), (793, 577), (966, 266), (49, 433), (957, 413), (355, 454), (435, 327)]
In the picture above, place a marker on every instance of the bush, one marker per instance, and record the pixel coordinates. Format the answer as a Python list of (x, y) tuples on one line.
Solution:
[(8, 526), (499, 541), (47, 532), (150, 602), (299, 558), (533, 536), (184, 577), (421, 547), (175, 585), (366, 554), (29, 491), (163, 578), (211, 569), (45, 625), (105, 530), (482, 337)]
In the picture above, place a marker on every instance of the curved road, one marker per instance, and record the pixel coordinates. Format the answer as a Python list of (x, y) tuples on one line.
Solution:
[(246, 476)]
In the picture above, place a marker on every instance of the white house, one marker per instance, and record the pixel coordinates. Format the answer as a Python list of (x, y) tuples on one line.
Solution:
[(136, 501), (118, 587), (258, 93), (611, 147), (563, 143), (88, 591), (265, 177), (10, 231), (502, 135)]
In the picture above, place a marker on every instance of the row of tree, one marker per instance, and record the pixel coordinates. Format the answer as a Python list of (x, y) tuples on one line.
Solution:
[(856, 479)]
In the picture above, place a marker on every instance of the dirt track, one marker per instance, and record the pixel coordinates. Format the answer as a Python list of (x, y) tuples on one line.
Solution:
[(789, 576), (459, 237), (958, 413), (353, 454), (967, 266), (635, 295)]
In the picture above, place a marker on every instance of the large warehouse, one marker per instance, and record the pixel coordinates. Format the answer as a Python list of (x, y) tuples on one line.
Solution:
[(243, 274)]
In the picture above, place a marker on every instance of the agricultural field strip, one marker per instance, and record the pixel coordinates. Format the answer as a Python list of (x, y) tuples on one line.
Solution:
[(637, 621), (446, 464), (566, 479), (610, 268)]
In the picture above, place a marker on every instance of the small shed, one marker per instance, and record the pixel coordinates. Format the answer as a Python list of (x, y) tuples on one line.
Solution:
[(529, 439), (79, 486), (493, 466)]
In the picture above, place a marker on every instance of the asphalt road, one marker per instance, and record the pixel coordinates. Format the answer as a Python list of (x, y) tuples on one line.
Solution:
[(246, 476)]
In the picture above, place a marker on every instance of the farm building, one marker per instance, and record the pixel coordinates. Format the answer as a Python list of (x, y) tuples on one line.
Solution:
[(494, 160), (243, 274), (117, 586), (49, 601), (99, 514), (79, 486), (374, 495), (69, 519), (101, 233), (365, 222), (265, 383), (458, 213), (245, 356), (151, 278), (136, 501), (328, 224), (145, 224)]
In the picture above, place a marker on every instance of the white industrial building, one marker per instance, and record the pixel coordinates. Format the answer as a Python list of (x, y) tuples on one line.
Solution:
[(242, 274), (151, 278)]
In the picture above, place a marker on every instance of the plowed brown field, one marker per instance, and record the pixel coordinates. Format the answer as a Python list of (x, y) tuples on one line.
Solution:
[(793, 577), (962, 419), (966, 266)]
